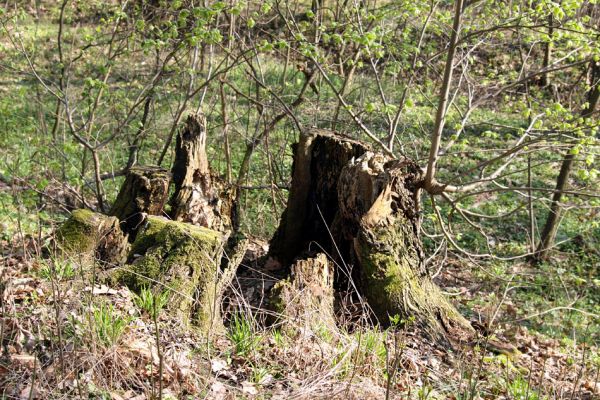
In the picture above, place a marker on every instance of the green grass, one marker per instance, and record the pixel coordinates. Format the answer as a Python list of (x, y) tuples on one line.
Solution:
[(151, 303), (108, 324), (243, 336)]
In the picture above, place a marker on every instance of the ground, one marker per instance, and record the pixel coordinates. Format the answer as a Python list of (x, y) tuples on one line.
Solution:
[(105, 345)]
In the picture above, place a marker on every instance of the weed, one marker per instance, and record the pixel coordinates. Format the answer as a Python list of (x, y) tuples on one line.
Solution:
[(242, 335), (57, 269), (259, 374), (109, 326), (278, 338), (151, 303)]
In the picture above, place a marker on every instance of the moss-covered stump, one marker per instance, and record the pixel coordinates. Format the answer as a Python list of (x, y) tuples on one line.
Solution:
[(304, 301), (144, 191), (378, 204), (362, 208), (87, 235), (185, 261)]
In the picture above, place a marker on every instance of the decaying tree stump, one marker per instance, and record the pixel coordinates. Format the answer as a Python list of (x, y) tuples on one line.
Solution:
[(304, 301), (194, 258), (144, 191), (88, 236), (183, 260), (362, 208), (200, 198)]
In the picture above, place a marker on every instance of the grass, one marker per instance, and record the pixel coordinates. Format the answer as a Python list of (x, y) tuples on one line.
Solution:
[(108, 325), (242, 335), (57, 269), (151, 303)]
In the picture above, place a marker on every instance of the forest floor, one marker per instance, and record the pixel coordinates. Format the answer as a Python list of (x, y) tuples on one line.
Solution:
[(66, 337)]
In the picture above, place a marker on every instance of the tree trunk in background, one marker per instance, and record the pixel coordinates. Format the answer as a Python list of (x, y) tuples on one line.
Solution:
[(144, 191), (200, 197), (362, 208), (548, 235), (548, 52)]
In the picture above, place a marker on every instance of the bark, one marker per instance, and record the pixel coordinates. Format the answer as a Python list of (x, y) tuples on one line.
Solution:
[(201, 197), (88, 236), (548, 235), (362, 208), (548, 52), (378, 204), (144, 191), (313, 200)]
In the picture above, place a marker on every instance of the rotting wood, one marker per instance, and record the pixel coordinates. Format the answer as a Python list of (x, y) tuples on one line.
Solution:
[(313, 199), (183, 260), (144, 191), (201, 197), (362, 208), (88, 236), (303, 303)]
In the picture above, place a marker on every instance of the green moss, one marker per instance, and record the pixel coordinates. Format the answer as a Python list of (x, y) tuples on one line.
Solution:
[(79, 234), (276, 301), (181, 258), (394, 284)]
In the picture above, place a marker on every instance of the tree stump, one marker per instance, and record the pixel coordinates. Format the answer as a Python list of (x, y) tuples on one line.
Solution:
[(362, 207), (88, 236), (185, 261), (201, 197), (144, 191), (304, 301)]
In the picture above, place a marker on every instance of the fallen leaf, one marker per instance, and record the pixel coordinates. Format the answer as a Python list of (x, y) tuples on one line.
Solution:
[(102, 289), (249, 388), (217, 365)]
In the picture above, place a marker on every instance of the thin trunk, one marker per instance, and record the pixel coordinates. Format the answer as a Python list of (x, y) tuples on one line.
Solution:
[(226, 132), (548, 52), (440, 118), (552, 221)]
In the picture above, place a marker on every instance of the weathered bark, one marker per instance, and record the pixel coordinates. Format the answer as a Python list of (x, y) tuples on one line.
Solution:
[(304, 301), (200, 197), (144, 191), (185, 261), (362, 208), (378, 204), (88, 236), (313, 200)]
